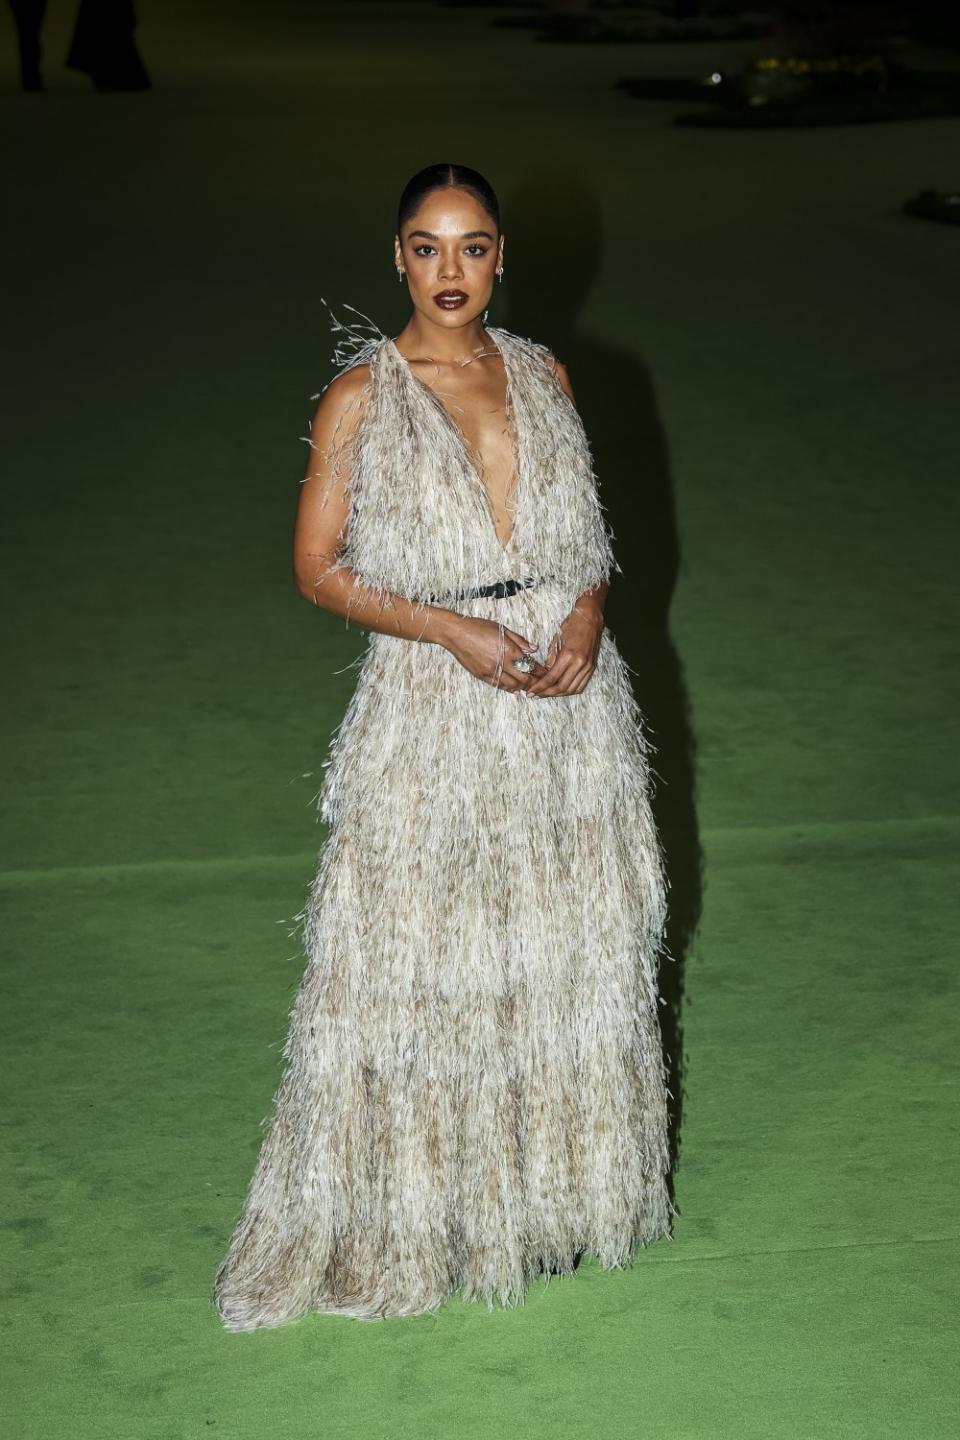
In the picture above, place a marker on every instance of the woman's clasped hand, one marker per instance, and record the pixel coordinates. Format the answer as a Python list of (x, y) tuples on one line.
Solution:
[(488, 650)]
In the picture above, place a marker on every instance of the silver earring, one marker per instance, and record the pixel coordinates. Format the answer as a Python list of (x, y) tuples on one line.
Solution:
[(500, 274), (399, 274)]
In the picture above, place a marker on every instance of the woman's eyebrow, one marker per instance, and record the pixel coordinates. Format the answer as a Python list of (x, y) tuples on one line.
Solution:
[(468, 235)]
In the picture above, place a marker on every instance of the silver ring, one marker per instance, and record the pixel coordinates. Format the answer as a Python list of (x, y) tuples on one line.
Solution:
[(525, 663)]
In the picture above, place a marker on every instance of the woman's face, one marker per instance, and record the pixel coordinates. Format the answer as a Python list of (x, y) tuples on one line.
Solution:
[(450, 244)]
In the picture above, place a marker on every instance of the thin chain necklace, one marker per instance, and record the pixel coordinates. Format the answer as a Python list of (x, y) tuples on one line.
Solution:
[(432, 359)]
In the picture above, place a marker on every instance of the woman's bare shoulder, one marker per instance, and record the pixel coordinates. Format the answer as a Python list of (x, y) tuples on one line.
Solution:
[(346, 387), (549, 361), (340, 409), (559, 370), (342, 401)]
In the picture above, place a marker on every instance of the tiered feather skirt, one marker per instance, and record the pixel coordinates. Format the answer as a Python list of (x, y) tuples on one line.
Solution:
[(474, 1084)]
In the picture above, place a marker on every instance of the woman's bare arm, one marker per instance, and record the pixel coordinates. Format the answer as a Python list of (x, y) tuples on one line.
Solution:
[(598, 595), (573, 651), (320, 535), (482, 646)]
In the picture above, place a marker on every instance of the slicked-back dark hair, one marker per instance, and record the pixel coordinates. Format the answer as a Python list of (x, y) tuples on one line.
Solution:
[(443, 177)]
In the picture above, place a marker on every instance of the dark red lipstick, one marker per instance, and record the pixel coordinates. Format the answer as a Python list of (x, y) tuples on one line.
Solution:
[(451, 299)]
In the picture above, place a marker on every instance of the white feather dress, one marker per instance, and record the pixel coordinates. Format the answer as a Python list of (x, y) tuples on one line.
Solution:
[(474, 1083)]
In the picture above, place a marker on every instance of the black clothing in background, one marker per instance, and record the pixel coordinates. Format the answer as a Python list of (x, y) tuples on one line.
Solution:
[(103, 45), (28, 15)]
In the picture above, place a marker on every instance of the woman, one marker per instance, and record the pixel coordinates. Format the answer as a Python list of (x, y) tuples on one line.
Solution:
[(474, 1089)]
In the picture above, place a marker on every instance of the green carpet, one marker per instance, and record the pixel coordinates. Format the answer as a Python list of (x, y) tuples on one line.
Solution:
[(764, 351)]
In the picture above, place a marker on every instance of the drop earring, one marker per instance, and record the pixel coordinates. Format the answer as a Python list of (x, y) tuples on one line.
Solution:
[(500, 274), (399, 274)]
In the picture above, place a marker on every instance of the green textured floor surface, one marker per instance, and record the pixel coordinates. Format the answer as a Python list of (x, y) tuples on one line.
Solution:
[(765, 354)]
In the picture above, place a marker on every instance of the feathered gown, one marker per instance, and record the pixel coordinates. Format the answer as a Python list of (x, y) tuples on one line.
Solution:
[(474, 1081)]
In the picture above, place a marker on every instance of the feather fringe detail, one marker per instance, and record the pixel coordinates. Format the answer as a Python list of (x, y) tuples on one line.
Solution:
[(474, 1084), (358, 345)]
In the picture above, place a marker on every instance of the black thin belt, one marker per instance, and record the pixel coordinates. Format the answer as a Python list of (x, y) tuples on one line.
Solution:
[(500, 588)]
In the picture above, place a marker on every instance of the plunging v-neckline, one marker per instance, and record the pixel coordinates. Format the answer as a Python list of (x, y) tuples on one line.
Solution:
[(474, 469)]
